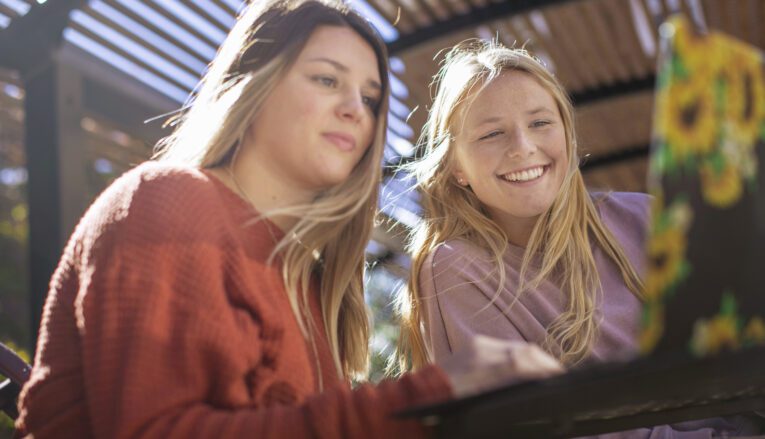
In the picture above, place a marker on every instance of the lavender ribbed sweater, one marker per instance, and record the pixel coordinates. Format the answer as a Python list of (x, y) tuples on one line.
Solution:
[(458, 285)]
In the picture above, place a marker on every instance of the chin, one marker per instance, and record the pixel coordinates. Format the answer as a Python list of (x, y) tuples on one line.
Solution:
[(331, 180)]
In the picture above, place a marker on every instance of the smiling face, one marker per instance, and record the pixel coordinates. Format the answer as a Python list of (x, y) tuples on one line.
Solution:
[(320, 118), (510, 148)]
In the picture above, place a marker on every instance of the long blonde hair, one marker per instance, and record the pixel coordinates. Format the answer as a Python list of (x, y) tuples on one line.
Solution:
[(259, 50), (451, 211)]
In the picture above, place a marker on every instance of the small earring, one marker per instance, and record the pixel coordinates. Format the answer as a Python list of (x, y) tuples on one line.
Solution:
[(461, 181)]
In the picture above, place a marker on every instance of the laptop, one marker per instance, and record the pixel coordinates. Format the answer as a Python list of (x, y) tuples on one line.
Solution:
[(703, 334)]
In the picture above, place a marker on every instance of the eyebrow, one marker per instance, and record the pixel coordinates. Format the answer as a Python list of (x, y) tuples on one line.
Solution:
[(341, 67), (539, 110), (492, 119)]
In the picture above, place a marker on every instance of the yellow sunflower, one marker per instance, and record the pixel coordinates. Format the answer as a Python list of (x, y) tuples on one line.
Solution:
[(711, 336), (755, 331), (721, 188), (701, 55), (744, 98), (741, 156), (687, 118), (666, 252)]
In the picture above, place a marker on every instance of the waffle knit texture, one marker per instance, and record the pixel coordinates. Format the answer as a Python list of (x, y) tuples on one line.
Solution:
[(164, 320)]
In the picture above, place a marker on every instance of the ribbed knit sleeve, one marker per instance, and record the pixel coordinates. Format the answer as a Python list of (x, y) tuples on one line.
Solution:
[(156, 326)]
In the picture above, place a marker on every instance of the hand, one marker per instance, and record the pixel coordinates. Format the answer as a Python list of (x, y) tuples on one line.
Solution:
[(491, 362)]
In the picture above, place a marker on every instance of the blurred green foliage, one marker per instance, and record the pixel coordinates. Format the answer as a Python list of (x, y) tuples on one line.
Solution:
[(381, 286), (6, 424)]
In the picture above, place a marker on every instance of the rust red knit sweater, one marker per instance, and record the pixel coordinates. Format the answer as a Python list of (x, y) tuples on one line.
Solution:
[(164, 321)]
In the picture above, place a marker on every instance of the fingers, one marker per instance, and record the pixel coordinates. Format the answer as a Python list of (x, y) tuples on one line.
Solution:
[(490, 363), (530, 361)]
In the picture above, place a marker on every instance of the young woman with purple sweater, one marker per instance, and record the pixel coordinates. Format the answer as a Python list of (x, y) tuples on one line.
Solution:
[(512, 244)]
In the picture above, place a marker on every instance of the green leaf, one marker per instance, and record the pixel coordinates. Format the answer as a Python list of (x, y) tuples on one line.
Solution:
[(717, 160), (728, 304), (720, 90), (679, 68)]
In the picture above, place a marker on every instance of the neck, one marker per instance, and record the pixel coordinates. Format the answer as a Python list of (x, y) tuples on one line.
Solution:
[(518, 230), (262, 186)]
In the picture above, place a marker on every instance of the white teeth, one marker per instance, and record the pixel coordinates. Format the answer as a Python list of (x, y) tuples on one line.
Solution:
[(529, 174)]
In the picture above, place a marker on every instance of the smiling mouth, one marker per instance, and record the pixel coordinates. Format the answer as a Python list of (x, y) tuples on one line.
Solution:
[(526, 175)]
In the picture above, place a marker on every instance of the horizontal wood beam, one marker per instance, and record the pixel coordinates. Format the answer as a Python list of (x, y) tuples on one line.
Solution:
[(473, 18)]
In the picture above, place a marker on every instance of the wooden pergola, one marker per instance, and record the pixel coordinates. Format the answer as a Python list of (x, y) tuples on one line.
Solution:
[(79, 109)]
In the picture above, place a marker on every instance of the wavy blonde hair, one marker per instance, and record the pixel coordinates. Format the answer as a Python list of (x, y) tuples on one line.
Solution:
[(561, 235), (259, 50)]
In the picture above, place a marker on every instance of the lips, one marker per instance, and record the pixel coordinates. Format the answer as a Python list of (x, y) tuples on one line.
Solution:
[(344, 142)]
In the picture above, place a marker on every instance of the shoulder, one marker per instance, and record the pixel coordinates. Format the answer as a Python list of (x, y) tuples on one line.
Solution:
[(624, 209), (627, 215), (154, 199), (455, 262), (457, 253)]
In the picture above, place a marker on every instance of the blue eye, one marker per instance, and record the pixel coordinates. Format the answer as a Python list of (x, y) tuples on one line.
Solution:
[(540, 123), (325, 80), (490, 135), (370, 102)]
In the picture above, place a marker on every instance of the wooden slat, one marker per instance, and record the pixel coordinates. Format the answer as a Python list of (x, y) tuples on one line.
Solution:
[(445, 7), (477, 4), (107, 22), (131, 56), (624, 176), (654, 22), (579, 36), (427, 9), (410, 10), (420, 68), (561, 36), (603, 42), (594, 181), (640, 173), (184, 25), (560, 58), (459, 6), (531, 40), (224, 5), (626, 42), (617, 123), (757, 18), (394, 14), (184, 45), (202, 12), (712, 13), (752, 27), (8, 12), (735, 22)]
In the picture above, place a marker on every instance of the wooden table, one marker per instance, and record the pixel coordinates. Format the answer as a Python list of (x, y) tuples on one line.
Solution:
[(608, 398)]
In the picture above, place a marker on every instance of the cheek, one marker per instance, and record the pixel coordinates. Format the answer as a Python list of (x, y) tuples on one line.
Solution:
[(305, 108), (369, 130)]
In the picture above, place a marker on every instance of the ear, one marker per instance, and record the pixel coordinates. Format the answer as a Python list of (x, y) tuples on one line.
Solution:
[(460, 176)]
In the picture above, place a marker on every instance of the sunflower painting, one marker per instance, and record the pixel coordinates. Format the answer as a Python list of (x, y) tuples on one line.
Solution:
[(704, 279), (710, 92), (667, 262), (726, 330)]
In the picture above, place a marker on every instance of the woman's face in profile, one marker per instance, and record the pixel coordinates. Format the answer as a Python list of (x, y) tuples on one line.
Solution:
[(320, 118), (511, 147)]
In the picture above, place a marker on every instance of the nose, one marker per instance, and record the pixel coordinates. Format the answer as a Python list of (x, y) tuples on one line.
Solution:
[(520, 143), (351, 106)]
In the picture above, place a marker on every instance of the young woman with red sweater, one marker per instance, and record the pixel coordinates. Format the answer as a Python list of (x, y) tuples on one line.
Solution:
[(217, 291)]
